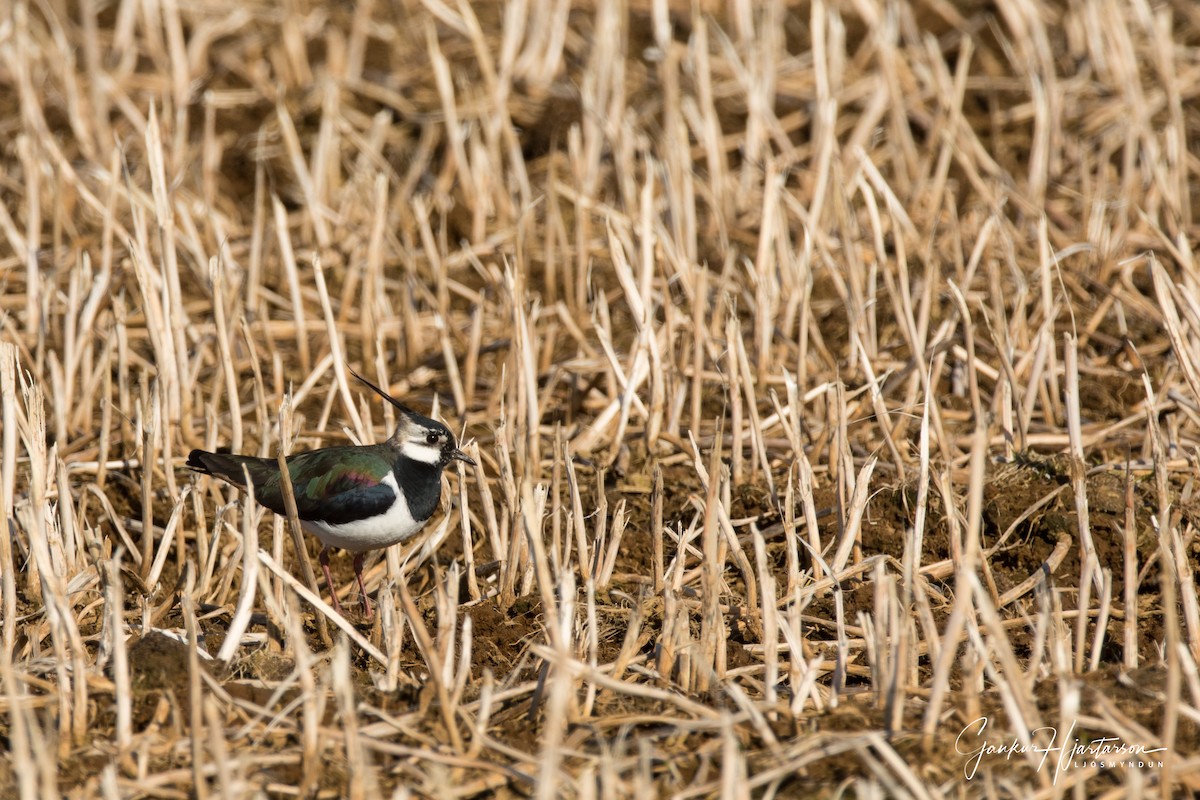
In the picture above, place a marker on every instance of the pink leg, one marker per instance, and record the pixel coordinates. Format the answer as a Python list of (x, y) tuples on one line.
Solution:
[(324, 559), (362, 590)]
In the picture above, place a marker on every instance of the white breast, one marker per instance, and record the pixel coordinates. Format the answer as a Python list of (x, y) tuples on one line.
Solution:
[(372, 533)]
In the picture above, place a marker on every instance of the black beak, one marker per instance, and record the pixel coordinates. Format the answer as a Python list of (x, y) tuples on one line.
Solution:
[(459, 455)]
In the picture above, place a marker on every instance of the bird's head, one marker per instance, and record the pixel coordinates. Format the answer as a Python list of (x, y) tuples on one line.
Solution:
[(418, 437)]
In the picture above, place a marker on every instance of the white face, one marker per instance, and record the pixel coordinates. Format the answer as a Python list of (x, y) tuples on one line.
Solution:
[(425, 444)]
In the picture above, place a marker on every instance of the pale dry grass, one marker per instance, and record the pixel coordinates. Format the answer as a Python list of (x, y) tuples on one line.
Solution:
[(830, 368)]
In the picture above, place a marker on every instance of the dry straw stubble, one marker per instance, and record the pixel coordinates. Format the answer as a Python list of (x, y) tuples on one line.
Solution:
[(829, 367)]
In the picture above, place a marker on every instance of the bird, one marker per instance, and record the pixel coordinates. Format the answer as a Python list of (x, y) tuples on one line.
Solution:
[(357, 498)]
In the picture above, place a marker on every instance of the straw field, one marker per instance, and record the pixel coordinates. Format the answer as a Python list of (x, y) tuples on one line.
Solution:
[(832, 370)]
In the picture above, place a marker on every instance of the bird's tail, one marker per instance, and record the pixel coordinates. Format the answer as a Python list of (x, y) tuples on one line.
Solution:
[(222, 465)]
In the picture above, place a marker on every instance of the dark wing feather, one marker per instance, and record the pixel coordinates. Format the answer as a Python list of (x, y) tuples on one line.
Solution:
[(334, 485)]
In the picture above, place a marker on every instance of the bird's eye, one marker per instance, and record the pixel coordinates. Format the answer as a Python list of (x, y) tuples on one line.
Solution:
[(432, 438)]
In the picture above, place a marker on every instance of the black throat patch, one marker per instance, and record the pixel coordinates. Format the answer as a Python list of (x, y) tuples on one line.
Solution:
[(421, 484)]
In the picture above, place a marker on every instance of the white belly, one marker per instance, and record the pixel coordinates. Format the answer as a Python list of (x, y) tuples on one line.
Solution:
[(372, 533)]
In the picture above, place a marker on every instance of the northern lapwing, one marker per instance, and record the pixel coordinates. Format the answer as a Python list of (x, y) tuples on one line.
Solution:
[(356, 498)]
